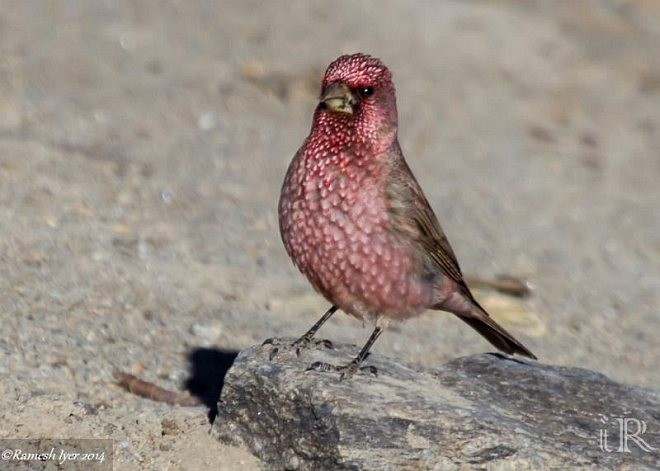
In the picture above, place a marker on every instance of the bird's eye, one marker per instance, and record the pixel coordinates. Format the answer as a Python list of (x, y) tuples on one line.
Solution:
[(366, 91)]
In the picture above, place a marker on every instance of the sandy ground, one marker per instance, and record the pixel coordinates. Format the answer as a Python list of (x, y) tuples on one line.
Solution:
[(143, 144)]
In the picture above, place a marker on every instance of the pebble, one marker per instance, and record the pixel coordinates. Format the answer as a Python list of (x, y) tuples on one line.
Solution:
[(210, 331), (207, 120)]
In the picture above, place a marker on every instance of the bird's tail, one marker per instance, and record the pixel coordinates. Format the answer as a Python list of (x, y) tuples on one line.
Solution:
[(480, 321)]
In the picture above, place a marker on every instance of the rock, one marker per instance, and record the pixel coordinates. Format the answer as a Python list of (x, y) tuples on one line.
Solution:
[(485, 411)]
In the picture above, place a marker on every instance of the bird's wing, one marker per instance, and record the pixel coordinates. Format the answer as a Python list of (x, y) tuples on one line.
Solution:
[(413, 218)]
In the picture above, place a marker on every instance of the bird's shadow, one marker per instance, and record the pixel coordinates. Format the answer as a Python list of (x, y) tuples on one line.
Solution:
[(208, 367)]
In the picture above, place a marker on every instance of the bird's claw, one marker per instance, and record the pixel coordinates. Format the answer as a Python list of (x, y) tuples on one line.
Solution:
[(273, 353), (271, 341), (371, 369), (324, 343), (276, 343), (345, 372), (302, 343), (321, 366)]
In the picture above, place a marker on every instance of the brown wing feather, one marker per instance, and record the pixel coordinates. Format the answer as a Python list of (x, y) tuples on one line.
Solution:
[(413, 217)]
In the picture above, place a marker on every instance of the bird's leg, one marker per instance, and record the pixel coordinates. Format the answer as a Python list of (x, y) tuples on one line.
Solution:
[(306, 340), (351, 368)]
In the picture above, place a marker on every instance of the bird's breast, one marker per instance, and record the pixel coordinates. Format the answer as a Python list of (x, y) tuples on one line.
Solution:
[(333, 221)]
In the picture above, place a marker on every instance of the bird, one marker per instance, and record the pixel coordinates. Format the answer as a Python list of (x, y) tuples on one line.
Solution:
[(356, 223)]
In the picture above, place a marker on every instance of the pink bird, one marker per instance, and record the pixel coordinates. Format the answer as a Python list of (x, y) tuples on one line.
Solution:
[(356, 223)]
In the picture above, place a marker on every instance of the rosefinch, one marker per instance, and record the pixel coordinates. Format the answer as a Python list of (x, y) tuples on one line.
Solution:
[(356, 223)]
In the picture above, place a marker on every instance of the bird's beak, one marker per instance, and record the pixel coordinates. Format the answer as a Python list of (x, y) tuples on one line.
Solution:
[(338, 97)]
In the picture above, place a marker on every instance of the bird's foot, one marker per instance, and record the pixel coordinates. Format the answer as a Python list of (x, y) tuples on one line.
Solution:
[(345, 371), (303, 343), (276, 345), (271, 341)]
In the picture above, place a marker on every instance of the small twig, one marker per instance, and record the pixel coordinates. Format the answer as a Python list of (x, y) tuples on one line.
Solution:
[(505, 284), (151, 391)]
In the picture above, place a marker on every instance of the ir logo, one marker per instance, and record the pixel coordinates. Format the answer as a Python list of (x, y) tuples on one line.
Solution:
[(630, 432)]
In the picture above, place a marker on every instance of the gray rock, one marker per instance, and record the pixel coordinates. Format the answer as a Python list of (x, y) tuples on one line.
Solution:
[(487, 411)]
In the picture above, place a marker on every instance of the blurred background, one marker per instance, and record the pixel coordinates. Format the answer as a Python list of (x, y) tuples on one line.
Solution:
[(142, 149)]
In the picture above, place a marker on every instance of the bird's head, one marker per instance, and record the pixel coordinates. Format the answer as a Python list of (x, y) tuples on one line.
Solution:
[(357, 93)]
